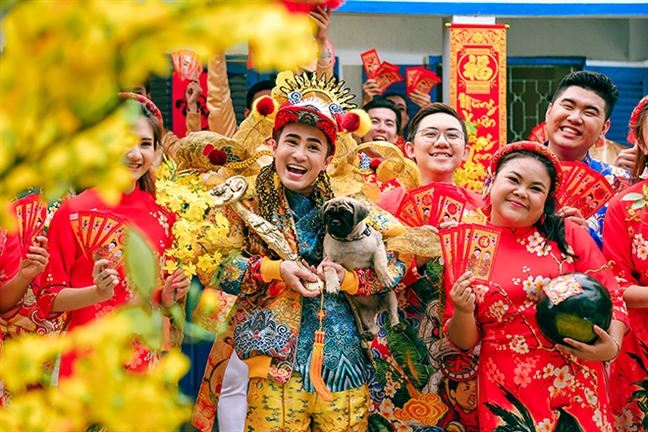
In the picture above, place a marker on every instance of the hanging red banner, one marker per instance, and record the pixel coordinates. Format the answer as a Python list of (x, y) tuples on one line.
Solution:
[(478, 93)]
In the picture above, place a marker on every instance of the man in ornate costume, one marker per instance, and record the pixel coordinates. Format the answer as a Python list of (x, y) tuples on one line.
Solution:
[(306, 365)]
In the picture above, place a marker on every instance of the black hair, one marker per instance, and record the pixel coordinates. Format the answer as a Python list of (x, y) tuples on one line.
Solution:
[(551, 226), (256, 88), (452, 384), (600, 84), (638, 130), (147, 181), (392, 94), (385, 103), (434, 108)]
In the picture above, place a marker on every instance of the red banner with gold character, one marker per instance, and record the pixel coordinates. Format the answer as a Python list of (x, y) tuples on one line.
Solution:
[(478, 93)]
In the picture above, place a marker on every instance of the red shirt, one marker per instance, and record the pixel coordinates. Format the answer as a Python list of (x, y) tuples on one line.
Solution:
[(70, 268)]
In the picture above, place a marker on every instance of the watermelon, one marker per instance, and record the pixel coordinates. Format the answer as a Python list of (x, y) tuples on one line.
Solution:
[(569, 307)]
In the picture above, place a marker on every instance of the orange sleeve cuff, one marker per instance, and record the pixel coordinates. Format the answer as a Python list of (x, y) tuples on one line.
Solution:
[(351, 283), (270, 270), (258, 366)]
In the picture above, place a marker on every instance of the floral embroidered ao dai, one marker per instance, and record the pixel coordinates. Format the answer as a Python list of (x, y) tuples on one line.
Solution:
[(535, 385), (69, 267), (625, 241)]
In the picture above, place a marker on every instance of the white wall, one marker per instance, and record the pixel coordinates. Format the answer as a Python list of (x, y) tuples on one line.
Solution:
[(409, 39)]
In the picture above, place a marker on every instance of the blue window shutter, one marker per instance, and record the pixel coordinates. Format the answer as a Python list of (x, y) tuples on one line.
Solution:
[(633, 85)]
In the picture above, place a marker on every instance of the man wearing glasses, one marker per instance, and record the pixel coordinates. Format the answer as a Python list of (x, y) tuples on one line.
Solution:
[(437, 141)]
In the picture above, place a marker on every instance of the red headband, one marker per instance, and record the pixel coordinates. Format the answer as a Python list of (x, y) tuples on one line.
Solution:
[(308, 115), (634, 118), (148, 103), (533, 147)]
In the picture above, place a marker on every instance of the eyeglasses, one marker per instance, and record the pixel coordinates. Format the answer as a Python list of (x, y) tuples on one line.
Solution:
[(431, 136)]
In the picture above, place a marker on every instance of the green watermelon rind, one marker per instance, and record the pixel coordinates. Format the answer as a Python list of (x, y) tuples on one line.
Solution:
[(591, 307)]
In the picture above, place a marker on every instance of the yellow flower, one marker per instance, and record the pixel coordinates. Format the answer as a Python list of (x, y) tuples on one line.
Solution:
[(205, 262), (170, 266), (189, 268)]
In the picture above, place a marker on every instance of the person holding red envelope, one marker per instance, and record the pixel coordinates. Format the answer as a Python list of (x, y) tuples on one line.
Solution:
[(524, 381), (17, 274), (624, 242), (578, 116), (88, 289), (438, 144)]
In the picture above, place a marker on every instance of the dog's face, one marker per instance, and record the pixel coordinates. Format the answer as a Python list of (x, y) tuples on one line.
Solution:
[(341, 215)]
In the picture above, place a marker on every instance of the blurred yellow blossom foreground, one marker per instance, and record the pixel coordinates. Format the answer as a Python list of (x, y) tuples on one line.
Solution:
[(101, 391), (61, 121)]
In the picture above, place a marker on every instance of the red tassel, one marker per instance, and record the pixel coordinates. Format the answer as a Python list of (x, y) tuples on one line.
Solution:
[(350, 122), (316, 367), (265, 106), (375, 163)]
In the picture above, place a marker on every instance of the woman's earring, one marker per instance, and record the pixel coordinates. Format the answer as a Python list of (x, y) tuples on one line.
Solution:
[(542, 218)]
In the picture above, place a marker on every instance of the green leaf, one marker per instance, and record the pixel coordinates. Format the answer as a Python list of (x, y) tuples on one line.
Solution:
[(410, 352), (378, 423), (567, 423), (632, 197), (148, 327), (638, 204), (141, 264), (196, 334)]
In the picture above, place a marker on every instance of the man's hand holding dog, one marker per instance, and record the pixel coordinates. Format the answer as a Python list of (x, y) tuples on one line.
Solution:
[(292, 275), (341, 272)]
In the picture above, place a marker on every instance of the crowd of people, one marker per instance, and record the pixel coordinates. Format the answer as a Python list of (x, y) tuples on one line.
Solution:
[(466, 356)]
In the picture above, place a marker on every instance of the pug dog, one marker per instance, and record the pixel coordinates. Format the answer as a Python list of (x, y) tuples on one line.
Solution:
[(353, 244)]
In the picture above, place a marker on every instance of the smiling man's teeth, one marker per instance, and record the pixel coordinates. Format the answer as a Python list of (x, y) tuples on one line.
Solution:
[(298, 169), (571, 130)]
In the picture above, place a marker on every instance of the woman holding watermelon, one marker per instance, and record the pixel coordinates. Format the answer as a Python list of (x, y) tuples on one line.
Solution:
[(89, 288), (625, 241), (526, 382)]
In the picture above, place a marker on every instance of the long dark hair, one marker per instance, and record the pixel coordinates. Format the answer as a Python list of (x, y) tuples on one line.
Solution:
[(637, 130), (552, 227), (147, 181)]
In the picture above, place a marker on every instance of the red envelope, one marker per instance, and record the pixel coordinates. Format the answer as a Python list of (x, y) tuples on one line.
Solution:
[(371, 63), (451, 209), (424, 200), (583, 188), (470, 247), (407, 212), (186, 63), (31, 213), (427, 83), (445, 237), (98, 233), (112, 249), (482, 250), (412, 75), (388, 78)]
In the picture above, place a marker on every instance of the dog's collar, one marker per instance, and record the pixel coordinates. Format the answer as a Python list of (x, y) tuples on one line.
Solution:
[(365, 233)]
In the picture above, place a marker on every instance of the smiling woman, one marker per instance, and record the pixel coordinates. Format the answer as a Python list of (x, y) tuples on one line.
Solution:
[(535, 247), (88, 286)]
